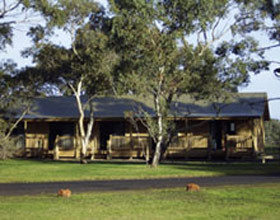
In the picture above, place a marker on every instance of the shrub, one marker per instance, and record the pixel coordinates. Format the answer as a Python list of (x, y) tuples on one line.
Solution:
[(272, 129), (9, 147)]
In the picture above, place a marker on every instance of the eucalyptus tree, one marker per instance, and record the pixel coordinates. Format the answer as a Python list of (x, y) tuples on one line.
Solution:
[(18, 14), (160, 59), (15, 14), (261, 18), (14, 93), (84, 69), (16, 97)]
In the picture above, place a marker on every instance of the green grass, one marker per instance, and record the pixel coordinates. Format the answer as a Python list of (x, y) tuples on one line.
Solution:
[(238, 202), (42, 171)]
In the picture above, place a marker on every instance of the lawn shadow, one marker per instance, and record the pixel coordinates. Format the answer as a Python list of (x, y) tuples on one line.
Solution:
[(217, 167), (232, 167), (77, 161)]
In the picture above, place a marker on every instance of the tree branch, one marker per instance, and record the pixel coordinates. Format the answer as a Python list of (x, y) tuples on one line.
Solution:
[(5, 10), (16, 123), (268, 47)]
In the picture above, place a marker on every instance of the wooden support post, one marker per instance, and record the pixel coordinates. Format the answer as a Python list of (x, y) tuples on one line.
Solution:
[(77, 142), (95, 141), (209, 148), (92, 157), (227, 149), (263, 134), (254, 138), (255, 144), (56, 148), (188, 139), (92, 146), (25, 137), (130, 142), (147, 149), (109, 148)]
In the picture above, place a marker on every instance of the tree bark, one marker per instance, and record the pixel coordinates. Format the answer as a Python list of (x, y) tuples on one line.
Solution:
[(84, 135), (89, 130), (81, 120), (157, 153)]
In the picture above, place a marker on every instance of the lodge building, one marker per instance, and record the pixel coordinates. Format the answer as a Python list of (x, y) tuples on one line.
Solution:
[(234, 128)]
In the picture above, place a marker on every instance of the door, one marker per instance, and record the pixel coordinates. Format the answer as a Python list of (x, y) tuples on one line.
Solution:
[(110, 128), (216, 134), (62, 134)]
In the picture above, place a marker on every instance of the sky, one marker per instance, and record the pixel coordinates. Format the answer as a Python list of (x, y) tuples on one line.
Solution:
[(266, 81), (263, 82)]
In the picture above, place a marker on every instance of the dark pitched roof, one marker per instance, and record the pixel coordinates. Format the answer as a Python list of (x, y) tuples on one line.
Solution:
[(239, 105)]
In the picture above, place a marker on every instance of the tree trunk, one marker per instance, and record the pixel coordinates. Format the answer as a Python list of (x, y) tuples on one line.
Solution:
[(157, 153), (89, 130), (84, 135)]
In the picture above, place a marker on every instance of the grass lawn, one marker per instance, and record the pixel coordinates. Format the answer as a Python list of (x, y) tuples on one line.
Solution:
[(238, 202), (40, 171)]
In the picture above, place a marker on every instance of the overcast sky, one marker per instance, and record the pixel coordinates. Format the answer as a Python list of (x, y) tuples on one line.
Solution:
[(263, 82)]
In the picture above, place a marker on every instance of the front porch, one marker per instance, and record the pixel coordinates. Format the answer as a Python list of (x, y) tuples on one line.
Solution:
[(118, 139)]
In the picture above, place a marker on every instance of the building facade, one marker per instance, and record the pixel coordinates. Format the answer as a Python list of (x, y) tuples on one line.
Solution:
[(234, 128)]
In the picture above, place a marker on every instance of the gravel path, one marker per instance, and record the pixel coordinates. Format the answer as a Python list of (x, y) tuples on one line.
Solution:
[(9, 189)]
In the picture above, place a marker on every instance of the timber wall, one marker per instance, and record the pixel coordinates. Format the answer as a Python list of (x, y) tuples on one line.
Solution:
[(192, 141), (36, 138)]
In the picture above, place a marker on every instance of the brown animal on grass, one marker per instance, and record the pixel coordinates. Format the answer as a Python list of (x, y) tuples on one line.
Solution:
[(64, 193), (192, 187)]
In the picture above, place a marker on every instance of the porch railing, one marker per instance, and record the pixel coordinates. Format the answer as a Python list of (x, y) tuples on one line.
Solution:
[(36, 145), (141, 145), (239, 142), (128, 146)]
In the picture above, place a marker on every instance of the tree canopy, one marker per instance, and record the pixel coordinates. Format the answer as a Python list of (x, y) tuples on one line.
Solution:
[(161, 49), (164, 62), (85, 68)]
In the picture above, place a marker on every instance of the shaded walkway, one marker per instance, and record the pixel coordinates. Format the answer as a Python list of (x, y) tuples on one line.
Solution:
[(115, 185)]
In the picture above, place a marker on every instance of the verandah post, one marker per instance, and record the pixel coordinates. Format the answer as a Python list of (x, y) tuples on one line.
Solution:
[(56, 148), (109, 148)]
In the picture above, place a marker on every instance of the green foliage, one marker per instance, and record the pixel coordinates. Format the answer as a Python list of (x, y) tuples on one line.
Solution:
[(10, 16), (5, 35), (192, 16), (15, 92), (143, 48), (90, 57), (8, 146), (84, 69), (14, 101), (261, 16), (272, 132), (159, 61)]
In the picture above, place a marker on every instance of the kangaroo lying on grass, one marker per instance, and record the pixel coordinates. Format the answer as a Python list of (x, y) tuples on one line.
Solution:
[(64, 193), (192, 187)]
